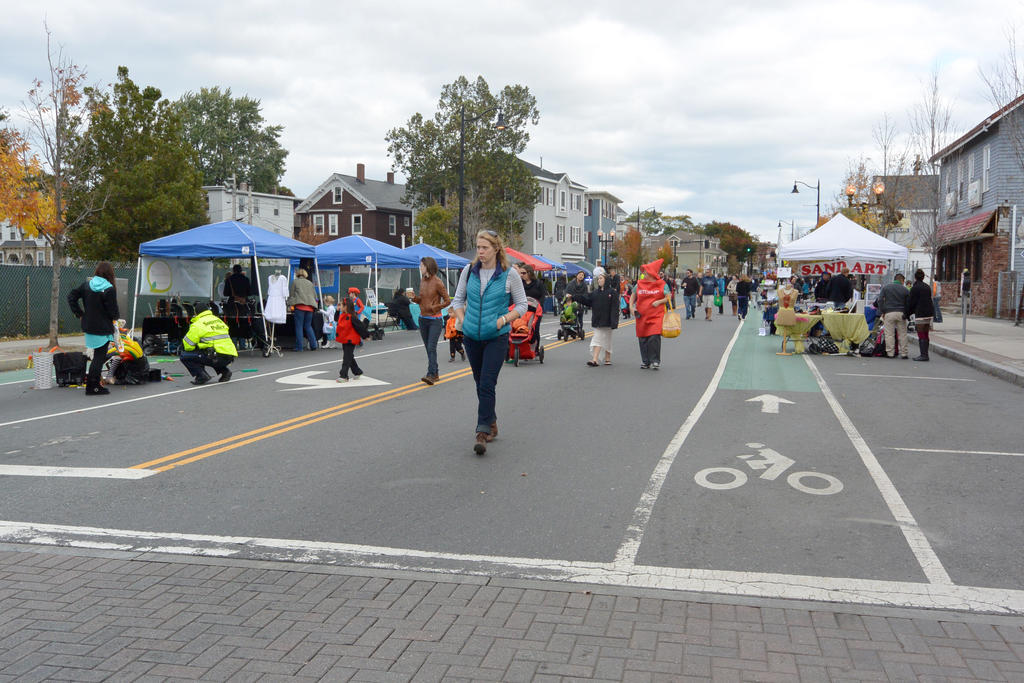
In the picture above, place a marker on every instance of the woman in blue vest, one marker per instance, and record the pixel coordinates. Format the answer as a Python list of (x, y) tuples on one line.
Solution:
[(481, 306)]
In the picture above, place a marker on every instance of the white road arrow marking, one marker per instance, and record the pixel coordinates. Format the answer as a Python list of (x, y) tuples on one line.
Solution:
[(769, 402), (305, 380)]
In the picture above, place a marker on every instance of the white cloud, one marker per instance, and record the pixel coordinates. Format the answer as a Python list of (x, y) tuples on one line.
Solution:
[(706, 109)]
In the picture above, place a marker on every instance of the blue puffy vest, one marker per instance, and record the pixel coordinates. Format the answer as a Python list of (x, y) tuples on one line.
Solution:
[(482, 311)]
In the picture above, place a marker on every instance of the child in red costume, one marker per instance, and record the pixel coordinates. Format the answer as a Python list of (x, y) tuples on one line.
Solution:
[(348, 338), (648, 304)]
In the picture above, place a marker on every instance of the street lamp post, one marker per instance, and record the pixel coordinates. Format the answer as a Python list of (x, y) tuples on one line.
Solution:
[(499, 125), (817, 214), (792, 228), (605, 242)]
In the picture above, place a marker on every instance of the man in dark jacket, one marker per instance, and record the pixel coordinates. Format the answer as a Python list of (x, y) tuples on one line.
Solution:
[(821, 288), (577, 287), (892, 304), (840, 289), (690, 288)]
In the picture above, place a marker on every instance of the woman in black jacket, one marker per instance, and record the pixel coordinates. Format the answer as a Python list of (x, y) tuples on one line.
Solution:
[(743, 288), (604, 306), (99, 299), (921, 307)]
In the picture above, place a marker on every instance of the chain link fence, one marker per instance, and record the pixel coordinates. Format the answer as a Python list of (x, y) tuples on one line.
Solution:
[(25, 297)]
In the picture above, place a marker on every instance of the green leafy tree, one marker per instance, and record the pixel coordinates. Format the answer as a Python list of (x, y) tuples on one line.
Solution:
[(652, 222), (435, 225), (232, 139), (142, 167), (500, 191), (732, 239)]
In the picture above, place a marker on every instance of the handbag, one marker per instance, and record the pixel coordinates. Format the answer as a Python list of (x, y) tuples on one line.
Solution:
[(672, 325), (718, 299)]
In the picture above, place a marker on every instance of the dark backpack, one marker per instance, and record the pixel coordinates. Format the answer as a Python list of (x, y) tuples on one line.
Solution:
[(361, 326), (69, 368), (134, 371)]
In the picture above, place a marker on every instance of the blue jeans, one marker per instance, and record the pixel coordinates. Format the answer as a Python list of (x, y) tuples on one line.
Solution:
[(691, 305), (430, 332), (304, 327), (938, 311), (486, 359), (743, 301)]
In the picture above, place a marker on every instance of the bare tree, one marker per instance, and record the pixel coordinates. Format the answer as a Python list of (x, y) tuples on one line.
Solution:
[(57, 115), (931, 129)]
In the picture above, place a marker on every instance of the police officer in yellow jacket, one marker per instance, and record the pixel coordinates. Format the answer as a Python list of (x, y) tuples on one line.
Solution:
[(207, 342)]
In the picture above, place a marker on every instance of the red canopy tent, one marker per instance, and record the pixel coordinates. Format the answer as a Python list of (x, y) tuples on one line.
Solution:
[(519, 256)]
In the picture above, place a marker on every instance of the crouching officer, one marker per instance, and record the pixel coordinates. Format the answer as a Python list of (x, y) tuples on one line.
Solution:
[(207, 342)]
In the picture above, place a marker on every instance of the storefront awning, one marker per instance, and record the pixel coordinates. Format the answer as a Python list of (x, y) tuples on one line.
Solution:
[(964, 229)]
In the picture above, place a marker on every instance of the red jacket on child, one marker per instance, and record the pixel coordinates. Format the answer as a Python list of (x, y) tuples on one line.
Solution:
[(347, 334)]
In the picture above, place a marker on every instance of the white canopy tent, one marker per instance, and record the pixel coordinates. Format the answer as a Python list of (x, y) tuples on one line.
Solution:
[(841, 238)]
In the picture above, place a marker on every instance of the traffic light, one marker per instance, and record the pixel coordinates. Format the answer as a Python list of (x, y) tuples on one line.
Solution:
[(750, 249)]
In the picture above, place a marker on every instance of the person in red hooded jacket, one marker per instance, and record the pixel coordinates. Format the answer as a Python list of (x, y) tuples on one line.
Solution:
[(349, 339), (648, 303)]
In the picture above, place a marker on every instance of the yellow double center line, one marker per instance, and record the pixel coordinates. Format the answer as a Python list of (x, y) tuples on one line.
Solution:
[(169, 462)]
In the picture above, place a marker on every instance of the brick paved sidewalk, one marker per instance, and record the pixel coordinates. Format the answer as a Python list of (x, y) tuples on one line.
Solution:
[(68, 614)]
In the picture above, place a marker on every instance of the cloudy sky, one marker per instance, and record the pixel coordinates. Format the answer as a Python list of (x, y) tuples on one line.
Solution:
[(707, 109)]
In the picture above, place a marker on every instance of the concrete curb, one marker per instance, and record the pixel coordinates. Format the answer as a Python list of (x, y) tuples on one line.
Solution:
[(1003, 372)]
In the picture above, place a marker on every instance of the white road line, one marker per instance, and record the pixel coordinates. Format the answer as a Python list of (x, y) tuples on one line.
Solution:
[(785, 586), (625, 557), (918, 542), (943, 379), (941, 450), (88, 472), (165, 394)]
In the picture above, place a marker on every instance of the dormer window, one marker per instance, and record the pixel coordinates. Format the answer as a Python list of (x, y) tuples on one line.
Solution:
[(337, 195)]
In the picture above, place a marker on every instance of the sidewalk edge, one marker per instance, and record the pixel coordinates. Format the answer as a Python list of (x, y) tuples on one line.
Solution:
[(1003, 372)]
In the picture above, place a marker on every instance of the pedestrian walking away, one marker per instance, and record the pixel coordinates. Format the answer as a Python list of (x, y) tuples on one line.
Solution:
[(98, 313), (482, 310), (433, 297), (892, 304), (936, 299), (743, 289), (919, 305), (349, 338), (648, 304), (302, 303), (207, 344), (708, 287), (604, 312)]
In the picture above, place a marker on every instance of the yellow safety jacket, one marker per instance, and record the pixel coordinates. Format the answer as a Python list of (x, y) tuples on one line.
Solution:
[(207, 331)]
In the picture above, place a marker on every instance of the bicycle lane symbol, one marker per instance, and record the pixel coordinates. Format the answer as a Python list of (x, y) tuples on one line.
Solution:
[(773, 464)]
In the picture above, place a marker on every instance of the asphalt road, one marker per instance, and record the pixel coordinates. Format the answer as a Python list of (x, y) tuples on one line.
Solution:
[(881, 481)]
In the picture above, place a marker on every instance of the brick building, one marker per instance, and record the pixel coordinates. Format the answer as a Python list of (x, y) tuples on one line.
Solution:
[(980, 180), (352, 205)]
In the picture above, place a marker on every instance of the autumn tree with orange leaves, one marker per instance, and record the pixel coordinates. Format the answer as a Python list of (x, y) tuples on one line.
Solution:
[(57, 114), (629, 250)]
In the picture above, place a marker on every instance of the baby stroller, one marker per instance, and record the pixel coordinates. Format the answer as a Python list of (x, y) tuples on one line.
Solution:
[(570, 321), (523, 339)]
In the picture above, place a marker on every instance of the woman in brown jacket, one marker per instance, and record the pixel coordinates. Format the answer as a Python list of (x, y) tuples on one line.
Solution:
[(432, 298)]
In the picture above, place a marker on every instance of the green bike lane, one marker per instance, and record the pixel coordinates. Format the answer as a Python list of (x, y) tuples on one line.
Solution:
[(769, 482)]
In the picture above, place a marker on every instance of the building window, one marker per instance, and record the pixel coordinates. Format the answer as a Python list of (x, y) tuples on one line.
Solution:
[(277, 211), (561, 203), (392, 225), (40, 259), (986, 165), (538, 232), (551, 196), (560, 233), (318, 224), (357, 224), (970, 167), (332, 225), (576, 234), (256, 206), (541, 196), (405, 221), (337, 195)]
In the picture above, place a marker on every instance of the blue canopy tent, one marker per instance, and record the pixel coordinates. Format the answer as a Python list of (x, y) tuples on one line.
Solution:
[(228, 239), (445, 259), (555, 265), (571, 269), (356, 250)]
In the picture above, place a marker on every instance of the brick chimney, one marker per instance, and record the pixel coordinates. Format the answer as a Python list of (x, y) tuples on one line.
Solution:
[(361, 172), (391, 177)]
